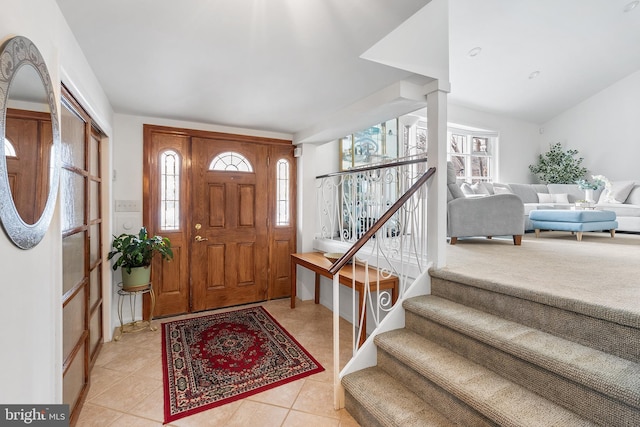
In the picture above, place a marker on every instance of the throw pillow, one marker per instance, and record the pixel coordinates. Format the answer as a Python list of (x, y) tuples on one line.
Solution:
[(545, 198), (467, 189), (501, 190), (618, 192), (479, 188), (553, 198)]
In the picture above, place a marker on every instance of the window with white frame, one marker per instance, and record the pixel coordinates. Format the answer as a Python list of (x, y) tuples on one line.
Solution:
[(472, 154)]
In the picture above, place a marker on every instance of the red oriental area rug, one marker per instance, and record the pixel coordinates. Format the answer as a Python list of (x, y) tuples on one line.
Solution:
[(212, 360)]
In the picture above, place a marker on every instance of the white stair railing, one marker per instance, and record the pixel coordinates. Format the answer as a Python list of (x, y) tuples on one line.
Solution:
[(380, 212)]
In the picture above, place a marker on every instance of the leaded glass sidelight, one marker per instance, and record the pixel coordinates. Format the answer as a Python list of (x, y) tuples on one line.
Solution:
[(230, 162), (169, 190), (282, 192)]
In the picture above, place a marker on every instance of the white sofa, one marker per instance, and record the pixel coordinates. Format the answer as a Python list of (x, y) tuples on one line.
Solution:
[(623, 198)]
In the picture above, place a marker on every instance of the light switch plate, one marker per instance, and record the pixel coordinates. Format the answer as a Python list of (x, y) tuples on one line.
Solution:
[(127, 205)]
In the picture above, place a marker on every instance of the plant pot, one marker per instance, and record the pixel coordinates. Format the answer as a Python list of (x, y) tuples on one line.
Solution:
[(588, 195), (138, 278)]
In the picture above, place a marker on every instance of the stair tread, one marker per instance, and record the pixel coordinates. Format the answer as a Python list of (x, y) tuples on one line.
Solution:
[(497, 398), (394, 404), (607, 373)]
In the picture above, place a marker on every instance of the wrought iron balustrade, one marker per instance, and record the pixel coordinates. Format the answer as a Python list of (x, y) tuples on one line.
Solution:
[(378, 214)]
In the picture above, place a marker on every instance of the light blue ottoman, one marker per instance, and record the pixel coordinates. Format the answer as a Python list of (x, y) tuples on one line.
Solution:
[(575, 221)]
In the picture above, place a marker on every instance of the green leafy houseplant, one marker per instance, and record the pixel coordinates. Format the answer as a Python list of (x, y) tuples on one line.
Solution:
[(138, 250), (557, 166)]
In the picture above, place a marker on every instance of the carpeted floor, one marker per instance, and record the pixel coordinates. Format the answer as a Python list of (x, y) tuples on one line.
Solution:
[(598, 271)]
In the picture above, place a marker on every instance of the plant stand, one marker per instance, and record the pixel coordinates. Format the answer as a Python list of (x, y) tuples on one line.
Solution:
[(134, 325)]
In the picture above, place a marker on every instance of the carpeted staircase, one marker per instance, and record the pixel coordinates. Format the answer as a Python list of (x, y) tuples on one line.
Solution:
[(476, 353)]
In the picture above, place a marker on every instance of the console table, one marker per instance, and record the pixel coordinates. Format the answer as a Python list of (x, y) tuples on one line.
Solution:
[(316, 262)]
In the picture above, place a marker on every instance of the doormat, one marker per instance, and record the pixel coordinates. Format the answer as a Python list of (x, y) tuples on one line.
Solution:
[(212, 360)]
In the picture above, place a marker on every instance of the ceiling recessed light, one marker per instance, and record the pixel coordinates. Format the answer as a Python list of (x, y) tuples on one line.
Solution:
[(630, 6), (474, 52), (534, 75)]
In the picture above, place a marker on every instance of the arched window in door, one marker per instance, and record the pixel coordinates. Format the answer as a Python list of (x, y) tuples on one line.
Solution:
[(230, 162), (282, 192), (169, 190), (9, 150)]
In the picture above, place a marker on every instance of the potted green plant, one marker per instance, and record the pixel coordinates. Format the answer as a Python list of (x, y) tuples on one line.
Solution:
[(136, 252), (557, 166)]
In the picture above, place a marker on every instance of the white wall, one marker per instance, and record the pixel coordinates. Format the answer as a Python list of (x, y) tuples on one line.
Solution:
[(604, 128), (31, 288), (518, 145)]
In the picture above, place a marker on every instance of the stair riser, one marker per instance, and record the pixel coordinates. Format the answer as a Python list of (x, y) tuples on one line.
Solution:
[(445, 403), (577, 398), (600, 334), (358, 412)]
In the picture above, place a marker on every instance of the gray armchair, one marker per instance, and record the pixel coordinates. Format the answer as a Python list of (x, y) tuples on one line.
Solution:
[(494, 215)]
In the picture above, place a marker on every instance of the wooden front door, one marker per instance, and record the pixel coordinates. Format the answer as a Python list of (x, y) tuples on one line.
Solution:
[(229, 249), (227, 202)]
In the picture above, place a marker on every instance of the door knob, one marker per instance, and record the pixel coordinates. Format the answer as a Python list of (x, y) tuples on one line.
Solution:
[(201, 239)]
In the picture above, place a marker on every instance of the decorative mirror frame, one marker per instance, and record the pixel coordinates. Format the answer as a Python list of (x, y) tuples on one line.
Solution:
[(15, 53)]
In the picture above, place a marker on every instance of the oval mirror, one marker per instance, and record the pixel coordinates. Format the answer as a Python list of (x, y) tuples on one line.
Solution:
[(30, 135)]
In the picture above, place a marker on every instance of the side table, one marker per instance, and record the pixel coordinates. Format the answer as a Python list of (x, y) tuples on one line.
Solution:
[(132, 294)]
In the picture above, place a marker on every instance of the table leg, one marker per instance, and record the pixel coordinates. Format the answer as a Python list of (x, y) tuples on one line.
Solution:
[(317, 295), (293, 283), (362, 313), (121, 330), (394, 293), (153, 306)]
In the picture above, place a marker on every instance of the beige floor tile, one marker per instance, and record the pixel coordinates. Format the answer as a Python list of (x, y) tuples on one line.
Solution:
[(97, 416), (212, 418), (102, 379), (151, 407), (256, 414), (297, 419), (316, 398), (152, 369), (127, 420), (346, 419), (127, 393), (135, 359), (349, 423), (126, 381), (283, 395)]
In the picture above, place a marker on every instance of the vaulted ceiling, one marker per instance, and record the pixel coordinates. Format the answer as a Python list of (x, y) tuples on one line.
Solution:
[(287, 65)]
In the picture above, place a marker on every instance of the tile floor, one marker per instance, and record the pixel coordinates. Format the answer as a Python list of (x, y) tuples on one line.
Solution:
[(126, 381)]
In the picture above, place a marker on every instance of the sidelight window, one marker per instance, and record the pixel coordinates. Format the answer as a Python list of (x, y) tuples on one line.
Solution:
[(169, 190), (282, 192), (230, 162)]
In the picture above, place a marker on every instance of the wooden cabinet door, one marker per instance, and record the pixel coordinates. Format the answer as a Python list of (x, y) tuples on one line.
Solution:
[(229, 247)]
